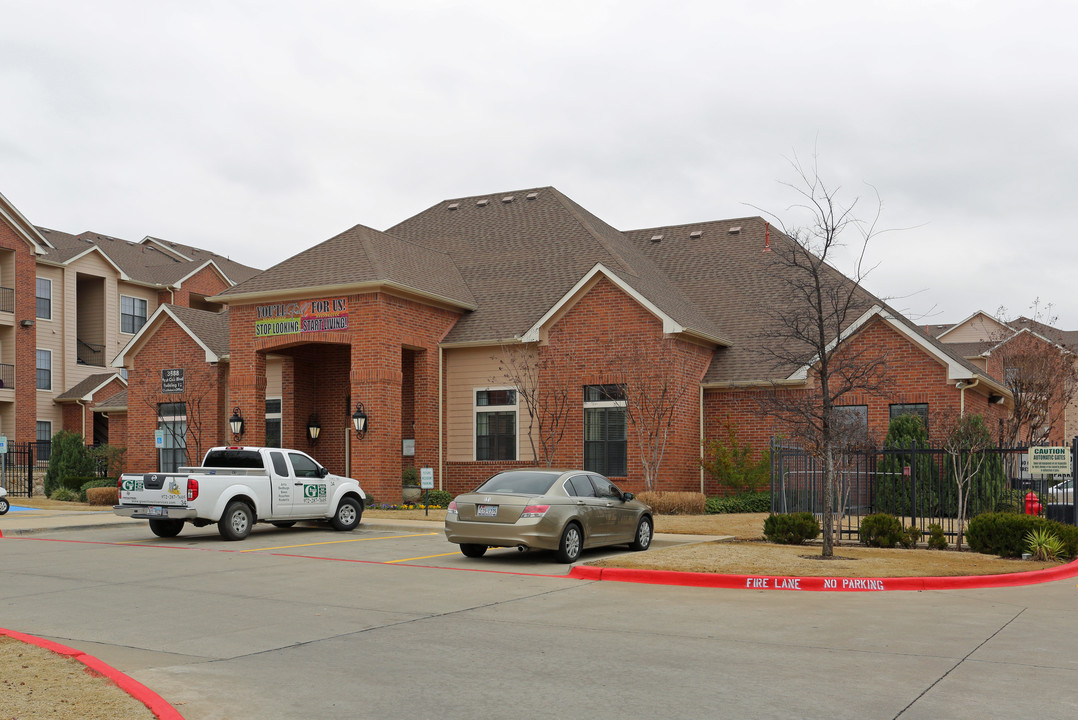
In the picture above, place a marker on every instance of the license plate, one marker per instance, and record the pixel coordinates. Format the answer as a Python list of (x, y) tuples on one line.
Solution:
[(155, 510), (486, 510)]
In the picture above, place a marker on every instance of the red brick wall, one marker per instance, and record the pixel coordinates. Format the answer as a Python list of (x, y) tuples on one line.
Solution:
[(912, 377), (77, 418), (367, 368), (25, 338), (601, 330), (205, 282), (171, 347)]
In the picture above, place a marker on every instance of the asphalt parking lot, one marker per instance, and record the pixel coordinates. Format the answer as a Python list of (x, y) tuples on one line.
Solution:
[(391, 621)]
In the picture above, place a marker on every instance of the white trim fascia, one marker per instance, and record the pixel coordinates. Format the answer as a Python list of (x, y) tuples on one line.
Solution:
[(1034, 333), (179, 283), (979, 312), (670, 326), (151, 323), (802, 372), (89, 395), (23, 227), (165, 247), (123, 276)]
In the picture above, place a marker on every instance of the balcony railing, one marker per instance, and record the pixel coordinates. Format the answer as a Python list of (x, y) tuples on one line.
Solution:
[(7, 376), (90, 354), (7, 299)]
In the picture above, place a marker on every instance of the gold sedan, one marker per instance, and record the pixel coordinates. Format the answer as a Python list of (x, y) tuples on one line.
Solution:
[(565, 511)]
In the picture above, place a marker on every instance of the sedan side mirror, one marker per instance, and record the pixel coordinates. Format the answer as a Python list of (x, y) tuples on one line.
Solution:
[(626, 497)]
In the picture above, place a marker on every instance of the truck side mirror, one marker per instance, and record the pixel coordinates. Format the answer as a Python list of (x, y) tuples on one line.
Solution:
[(322, 472)]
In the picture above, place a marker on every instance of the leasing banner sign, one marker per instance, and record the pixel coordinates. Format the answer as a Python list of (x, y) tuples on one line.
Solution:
[(305, 316)]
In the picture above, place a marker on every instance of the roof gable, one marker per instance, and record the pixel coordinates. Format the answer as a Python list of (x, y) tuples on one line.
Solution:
[(22, 227), (209, 330)]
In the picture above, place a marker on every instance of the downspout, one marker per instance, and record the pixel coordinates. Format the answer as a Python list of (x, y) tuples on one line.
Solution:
[(962, 385), (82, 413), (701, 439)]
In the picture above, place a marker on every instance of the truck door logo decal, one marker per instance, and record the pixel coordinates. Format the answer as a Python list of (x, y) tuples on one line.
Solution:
[(314, 493)]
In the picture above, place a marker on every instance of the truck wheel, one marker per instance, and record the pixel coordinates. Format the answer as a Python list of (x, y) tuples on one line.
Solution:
[(236, 523), (166, 528), (348, 514)]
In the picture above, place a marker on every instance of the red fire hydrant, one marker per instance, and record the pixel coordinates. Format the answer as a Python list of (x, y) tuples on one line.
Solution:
[(1033, 505)]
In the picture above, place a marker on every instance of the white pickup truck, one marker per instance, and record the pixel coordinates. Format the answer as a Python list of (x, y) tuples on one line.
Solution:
[(238, 486)]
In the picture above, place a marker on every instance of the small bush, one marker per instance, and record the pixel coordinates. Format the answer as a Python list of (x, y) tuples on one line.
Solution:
[(674, 503), (791, 529), (70, 458), (747, 502), (936, 539), (64, 495), (880, 530), (103, 495), (438, 498), (95, 483), (1043, 545), (1004, 534), (910, 537), (410, 476)]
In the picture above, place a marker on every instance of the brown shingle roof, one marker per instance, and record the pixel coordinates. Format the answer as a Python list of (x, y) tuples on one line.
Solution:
[(209, 327), (521, 256), (364, 255), (113, 403), (80, 389)]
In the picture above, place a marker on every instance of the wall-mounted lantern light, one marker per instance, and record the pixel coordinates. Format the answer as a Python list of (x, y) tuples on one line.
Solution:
[(314, 429), (359, 420), (236, 424)]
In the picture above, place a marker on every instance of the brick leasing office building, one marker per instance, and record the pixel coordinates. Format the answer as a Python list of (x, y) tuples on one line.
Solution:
[(414, 323)]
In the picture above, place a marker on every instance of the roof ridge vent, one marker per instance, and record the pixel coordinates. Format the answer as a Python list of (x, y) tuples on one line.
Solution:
[(507, 199), (454, 206), (482, 203), (735, 230), (656, 238), (696, 233)]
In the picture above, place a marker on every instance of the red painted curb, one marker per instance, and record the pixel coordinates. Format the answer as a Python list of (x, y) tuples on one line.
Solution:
[(132, 687), (824, 584)]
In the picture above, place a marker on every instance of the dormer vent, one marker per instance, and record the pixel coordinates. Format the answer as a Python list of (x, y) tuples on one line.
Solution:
[(656, 238), (696, 233), (735, 230), (532, 195), (507, 199), (454, 206), (482, 203)]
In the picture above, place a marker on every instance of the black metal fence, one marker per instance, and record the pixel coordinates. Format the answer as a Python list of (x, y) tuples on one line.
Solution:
[(23, 460), (917, 485)]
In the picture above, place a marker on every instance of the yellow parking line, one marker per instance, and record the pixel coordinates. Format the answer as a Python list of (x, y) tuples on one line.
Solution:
[(335, 542), (390, 562)]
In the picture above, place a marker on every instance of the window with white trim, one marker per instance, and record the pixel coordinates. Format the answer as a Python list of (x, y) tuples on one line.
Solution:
[(172, 419), (44, 369), (43, 449), (132, 313), (44, 298), (495, 424), (606, 436)]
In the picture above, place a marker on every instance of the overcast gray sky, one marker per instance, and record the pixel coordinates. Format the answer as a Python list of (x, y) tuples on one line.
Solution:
[(258, 129)]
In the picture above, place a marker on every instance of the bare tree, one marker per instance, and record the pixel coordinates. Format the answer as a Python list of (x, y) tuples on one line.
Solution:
[(655, 379), (965, 439), (1041, 374), (809, 324), (539, 376), (200, 385)]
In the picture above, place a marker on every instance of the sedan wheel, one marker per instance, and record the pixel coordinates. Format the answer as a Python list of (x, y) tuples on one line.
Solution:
[(572, 540), (643, 535)]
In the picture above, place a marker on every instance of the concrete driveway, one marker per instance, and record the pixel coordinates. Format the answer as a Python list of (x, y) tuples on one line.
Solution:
[(391, 622)]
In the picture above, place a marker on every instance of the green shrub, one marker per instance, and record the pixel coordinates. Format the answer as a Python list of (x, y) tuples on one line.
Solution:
[(791, 529), (95, 483), (936, 539), (674, 503), (896, 493), (438, 498), (70, 458), (910, 537), (64, 495), (410, 476), (75, 482), (731, 463), (880, 530), (1005, 534), (746, 502), (1043, 545)]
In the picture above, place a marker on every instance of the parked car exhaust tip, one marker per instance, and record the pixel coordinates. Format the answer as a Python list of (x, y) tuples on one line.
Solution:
[(522, 548)]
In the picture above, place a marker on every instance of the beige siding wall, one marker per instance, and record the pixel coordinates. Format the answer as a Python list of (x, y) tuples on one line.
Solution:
[(273, 376), (50, 336), (977, 329), (116, 340), (468, 369)]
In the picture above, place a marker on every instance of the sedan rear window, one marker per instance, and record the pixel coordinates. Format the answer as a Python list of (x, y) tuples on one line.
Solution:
[(521, 482)]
